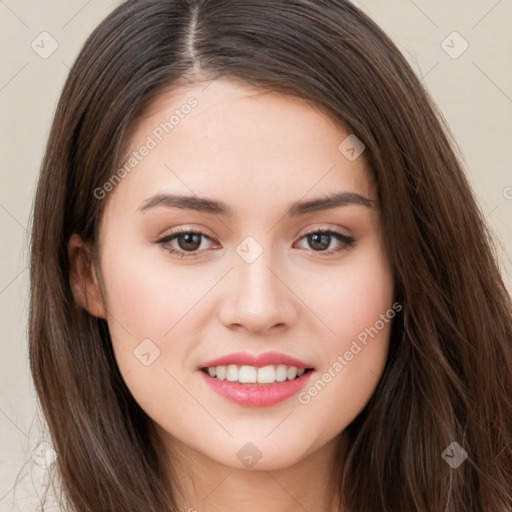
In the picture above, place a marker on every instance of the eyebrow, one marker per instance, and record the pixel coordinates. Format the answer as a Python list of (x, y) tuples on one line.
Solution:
[(211, 206)]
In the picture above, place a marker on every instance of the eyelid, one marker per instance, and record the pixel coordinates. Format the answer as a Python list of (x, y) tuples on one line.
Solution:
[(185, 229), (203, 231), (317, 228)]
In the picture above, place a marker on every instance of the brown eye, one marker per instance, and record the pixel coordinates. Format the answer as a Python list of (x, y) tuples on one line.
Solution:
[(189, 241), (319, 241), (185, 243)]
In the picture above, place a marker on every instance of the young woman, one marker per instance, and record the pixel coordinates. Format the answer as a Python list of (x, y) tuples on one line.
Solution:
[(259, 278)]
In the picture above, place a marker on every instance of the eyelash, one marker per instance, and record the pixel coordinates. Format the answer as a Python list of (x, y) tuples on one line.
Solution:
[(348, 241)]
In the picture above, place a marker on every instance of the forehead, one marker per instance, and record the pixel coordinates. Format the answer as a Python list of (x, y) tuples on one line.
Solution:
[(239, 141)]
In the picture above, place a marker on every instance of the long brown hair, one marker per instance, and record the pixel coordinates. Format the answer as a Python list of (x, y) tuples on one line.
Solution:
[(448, 377)]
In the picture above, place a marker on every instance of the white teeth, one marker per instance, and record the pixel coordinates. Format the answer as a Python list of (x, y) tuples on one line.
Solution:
[(291, 373), (266, 375), (250, 374), (281, 371), (232, 373), (247, 374)]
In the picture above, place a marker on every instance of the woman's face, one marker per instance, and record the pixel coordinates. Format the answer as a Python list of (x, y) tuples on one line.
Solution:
[(250, 278)]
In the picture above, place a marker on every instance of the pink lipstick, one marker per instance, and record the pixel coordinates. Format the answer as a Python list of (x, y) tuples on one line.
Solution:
[(256, 394)]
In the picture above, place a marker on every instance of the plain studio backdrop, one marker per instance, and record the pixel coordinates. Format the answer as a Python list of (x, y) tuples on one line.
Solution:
[(460, 49)]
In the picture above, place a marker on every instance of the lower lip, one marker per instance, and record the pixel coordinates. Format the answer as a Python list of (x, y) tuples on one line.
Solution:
[(257, 395)]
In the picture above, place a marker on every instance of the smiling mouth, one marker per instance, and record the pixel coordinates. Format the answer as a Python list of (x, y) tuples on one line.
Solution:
[(244, 374)]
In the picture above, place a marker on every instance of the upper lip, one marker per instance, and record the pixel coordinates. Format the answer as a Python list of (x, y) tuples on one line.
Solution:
[(258, 360)]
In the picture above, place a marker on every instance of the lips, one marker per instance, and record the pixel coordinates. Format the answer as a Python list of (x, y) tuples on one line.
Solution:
[(251, 395), (260, 360)]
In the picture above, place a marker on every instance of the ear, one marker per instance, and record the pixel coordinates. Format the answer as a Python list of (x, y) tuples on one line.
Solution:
[(83, 279)]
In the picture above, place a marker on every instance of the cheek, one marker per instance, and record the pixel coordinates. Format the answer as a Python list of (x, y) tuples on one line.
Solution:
[(148, 304), (356, 304), (147, 293), (145, 300), (350, 297), (136, 295)]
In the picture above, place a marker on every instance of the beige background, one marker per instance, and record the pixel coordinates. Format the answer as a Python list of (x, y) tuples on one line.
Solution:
[(473, 90)]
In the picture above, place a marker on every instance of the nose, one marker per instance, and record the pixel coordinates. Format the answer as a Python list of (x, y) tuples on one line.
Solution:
[(258, 298)]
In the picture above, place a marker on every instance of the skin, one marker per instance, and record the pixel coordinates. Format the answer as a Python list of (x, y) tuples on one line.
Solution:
[(260, 153)]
